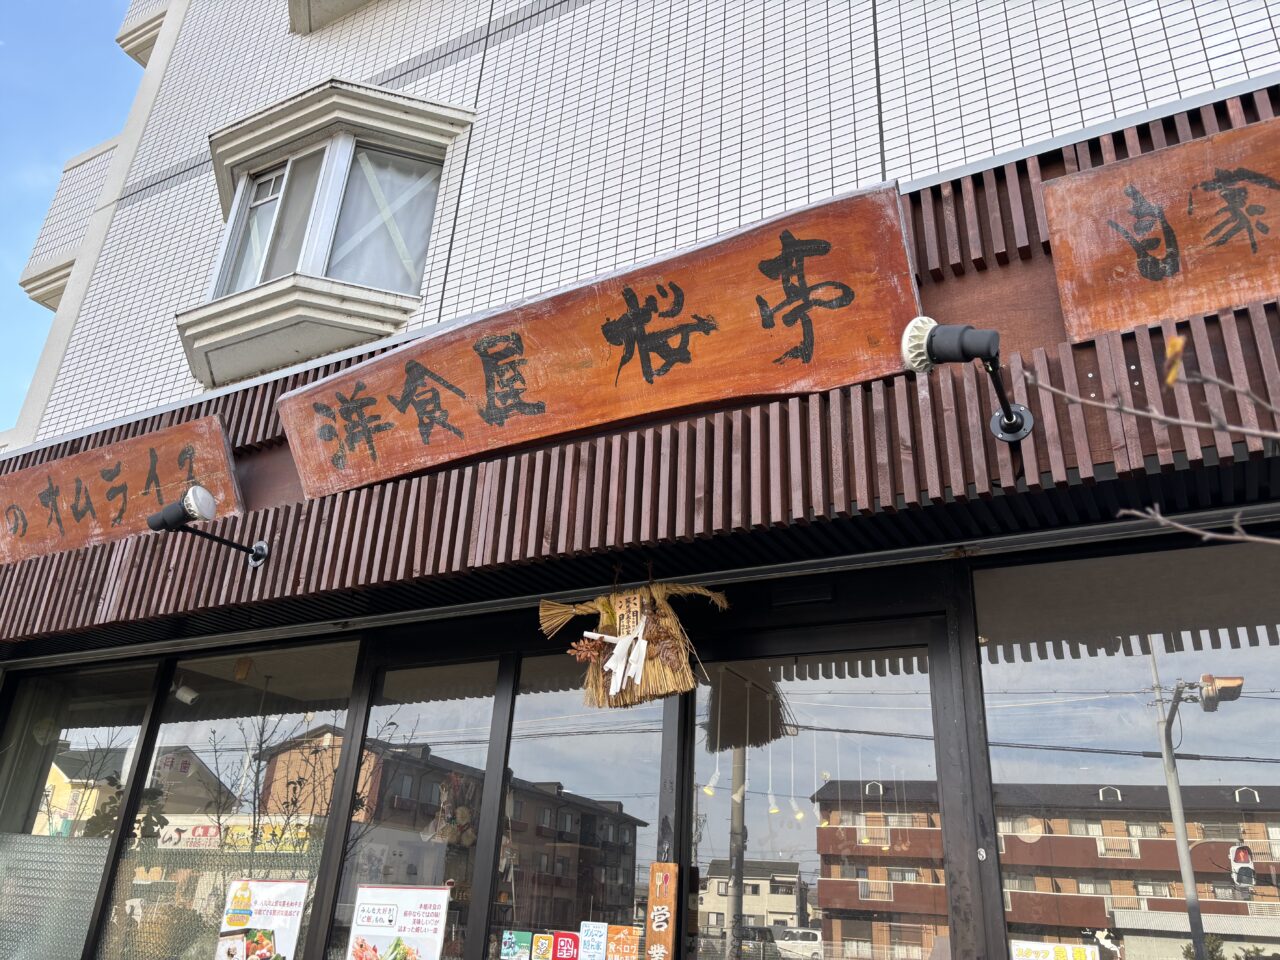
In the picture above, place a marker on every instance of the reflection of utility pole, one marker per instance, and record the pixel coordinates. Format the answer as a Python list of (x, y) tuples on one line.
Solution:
[(1164, 725), (737, 850)]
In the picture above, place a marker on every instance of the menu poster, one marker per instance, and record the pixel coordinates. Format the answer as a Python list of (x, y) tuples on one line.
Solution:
[(543, 946), (516, 944), (262, 920), (398, 923), (623, 943), (566, 945), (592, 937)]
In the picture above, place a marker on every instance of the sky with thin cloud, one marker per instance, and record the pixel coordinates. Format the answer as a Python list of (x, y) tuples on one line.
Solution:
[(66, 87)]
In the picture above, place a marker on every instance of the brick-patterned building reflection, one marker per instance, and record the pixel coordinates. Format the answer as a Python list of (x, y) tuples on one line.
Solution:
[(1076, 859)]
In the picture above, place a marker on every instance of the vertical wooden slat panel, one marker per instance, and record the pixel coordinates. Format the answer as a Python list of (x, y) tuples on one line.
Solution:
[(975, 429), (584, 497), (929, 227), (1037, 195), (682, 489), (838, 448), (796, 462), (951, 228), (951, 432), (995, 221), (820, 463), (1212, 393), (928, 439), (1266, 352), (1151, 388), (880, 431), (909, 486), (1248, 414), (972, 223), (1030, 458), (860, 451), (1049, 418), (1075, 413)]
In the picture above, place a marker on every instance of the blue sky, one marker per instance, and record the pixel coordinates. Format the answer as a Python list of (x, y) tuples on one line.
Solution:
[(66, 86)]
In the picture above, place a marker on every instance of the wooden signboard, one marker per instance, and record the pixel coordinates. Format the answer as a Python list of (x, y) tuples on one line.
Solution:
[(108, 493), (1180, 232), (809, 301), (660, 921)]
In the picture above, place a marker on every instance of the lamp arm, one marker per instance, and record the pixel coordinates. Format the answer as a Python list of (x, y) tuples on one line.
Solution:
[(257, 553)]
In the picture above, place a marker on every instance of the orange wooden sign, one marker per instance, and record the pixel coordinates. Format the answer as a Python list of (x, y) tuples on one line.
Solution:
[(108, 493), (660, 921), (806, 302), (1180, 232)]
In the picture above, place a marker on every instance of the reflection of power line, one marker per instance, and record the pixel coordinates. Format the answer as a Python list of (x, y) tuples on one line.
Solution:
[(1057, 748)]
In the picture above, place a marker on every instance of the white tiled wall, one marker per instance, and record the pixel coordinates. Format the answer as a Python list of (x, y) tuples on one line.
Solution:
[(69, 213), (610, 131)]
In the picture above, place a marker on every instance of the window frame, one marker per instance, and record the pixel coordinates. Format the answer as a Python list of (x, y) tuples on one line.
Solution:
[(336, 166)]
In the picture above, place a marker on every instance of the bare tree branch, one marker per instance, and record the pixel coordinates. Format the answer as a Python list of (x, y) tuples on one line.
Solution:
[(1196, 376), (1150, 413), (1238, 533)]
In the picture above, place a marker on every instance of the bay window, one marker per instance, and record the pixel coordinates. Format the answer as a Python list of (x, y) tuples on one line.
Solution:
[(346, 211), (329, 197)]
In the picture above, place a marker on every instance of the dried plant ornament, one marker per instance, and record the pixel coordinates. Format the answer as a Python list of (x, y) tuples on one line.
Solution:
[(639, 650)]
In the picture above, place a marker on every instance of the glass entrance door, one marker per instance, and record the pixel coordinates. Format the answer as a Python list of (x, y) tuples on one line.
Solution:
[(816, 822)]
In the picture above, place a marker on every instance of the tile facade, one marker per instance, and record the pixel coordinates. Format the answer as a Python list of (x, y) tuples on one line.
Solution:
[(69, 212), (611, 131)]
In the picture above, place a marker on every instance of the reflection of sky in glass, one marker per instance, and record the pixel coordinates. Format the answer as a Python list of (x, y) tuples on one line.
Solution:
[(844, 730), (1050, 626), (1107, 703)]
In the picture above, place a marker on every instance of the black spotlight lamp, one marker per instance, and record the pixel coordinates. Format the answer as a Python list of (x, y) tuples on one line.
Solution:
[(927, 343), (198, 504)]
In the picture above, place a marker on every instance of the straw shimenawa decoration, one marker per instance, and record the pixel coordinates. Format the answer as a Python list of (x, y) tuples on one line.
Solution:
[(639, 651)]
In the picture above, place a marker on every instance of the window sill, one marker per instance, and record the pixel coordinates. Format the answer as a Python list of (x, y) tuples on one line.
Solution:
[(45, 282), (283, 322), (308, 15)]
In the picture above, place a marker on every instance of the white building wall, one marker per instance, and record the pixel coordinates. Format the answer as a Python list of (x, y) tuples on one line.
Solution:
[(610, 131)]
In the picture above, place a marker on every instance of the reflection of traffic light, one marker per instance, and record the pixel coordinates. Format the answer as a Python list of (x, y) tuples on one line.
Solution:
[(1216, 690), (1241, 865)]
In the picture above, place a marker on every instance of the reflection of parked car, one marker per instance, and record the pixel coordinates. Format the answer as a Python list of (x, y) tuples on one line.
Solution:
[(757, 943), (800, 944)]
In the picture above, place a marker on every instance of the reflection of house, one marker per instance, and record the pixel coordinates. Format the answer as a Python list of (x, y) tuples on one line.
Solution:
[(78, 784), (1102, 859), (772, 895)]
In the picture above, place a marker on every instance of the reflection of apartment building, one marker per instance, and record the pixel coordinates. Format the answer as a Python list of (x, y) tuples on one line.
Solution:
[(772, 895), (570, 857), (565, 855), (1074, 857)]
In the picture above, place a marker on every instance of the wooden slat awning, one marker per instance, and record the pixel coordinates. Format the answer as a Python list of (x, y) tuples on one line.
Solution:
[(891, 448), (898, 462)]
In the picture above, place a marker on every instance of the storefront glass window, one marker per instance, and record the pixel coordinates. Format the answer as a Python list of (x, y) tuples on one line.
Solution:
[(232, 818), (64, 756), (1082, 797), (817, 831), (417, 809), (575, 772)]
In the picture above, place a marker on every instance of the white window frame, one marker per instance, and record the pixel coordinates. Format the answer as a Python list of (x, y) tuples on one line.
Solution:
[(336, 166)]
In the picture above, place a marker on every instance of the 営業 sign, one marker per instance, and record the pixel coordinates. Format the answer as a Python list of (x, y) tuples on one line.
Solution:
[(660, 921), (809, 301), (108, 493), (1180, 232)]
